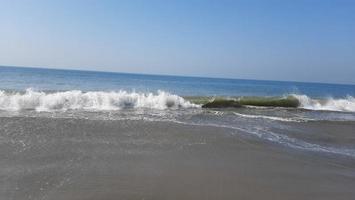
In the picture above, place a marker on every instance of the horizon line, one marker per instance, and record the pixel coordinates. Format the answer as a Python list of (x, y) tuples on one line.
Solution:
[(171, 75)]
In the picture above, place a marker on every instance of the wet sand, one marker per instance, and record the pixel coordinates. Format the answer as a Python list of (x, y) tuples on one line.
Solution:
[(65, 159)]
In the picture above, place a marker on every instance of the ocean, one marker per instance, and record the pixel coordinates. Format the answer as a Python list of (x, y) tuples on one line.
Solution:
[(69, 134)]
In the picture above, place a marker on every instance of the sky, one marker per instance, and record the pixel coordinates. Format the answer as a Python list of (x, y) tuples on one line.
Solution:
[(303, 40)]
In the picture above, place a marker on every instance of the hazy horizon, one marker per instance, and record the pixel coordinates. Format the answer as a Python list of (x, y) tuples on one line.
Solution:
[(172, 75), (303, 41)]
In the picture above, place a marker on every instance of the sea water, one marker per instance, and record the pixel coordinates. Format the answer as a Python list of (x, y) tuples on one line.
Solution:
[(54, 93)]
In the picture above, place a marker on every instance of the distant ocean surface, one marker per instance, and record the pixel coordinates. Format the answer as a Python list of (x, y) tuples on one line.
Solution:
[(20, 79)]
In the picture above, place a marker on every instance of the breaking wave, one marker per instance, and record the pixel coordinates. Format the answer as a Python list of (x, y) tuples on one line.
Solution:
[(345, 105), (288, 101), (102, 100), (78, 100)]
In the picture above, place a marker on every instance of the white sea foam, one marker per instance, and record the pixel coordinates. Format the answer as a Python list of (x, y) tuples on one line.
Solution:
[(100, 100), (78, 100), (284, 119), (347, 104), (282, 139)]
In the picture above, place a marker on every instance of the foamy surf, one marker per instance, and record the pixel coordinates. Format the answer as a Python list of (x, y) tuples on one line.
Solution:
[(273, 118), (345, 105), (117, 100), (78, 100)]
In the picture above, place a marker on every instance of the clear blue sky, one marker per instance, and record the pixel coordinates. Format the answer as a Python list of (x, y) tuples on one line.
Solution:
[(296, 40)]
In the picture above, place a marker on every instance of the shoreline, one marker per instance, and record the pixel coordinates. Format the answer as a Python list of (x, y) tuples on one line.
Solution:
[(81, 159)]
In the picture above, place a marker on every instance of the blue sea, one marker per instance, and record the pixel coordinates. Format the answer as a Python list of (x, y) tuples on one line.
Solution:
[(34, 92), (55, 89), (20, 79)]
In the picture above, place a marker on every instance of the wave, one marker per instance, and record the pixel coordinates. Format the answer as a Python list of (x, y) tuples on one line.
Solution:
[(288, 101), (345, 105), (96, 101), (101, 100)]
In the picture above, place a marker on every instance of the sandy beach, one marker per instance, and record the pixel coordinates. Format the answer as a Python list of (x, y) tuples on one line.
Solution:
[(45, 158)]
